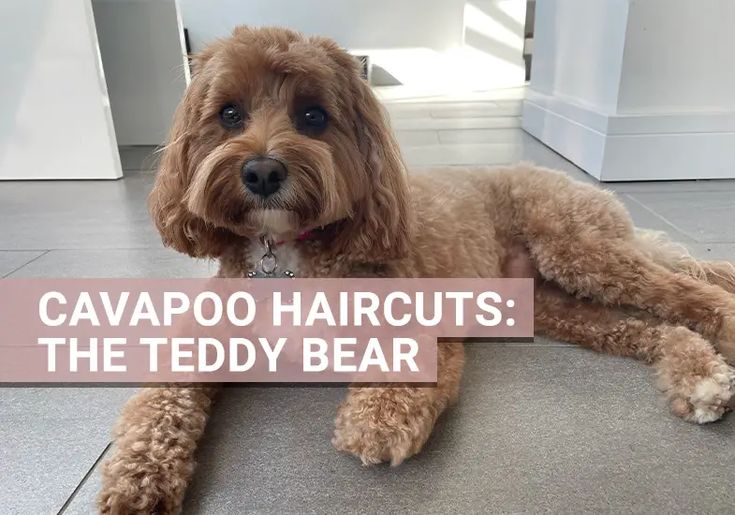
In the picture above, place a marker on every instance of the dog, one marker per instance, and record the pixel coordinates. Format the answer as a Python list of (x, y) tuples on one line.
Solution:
[(278, 135)]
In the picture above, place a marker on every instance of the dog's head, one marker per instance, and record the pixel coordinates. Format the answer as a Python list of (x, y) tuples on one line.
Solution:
[(278, 134)]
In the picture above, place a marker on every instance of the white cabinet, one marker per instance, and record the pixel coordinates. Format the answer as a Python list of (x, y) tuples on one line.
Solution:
[(55, 120), (141, 42), (636, 89)]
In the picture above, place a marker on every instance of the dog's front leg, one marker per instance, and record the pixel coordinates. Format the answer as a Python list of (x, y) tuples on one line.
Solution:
[(392, 422), (153, 460)]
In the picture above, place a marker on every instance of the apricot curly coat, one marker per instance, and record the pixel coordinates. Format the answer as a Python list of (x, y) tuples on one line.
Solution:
[(601, 283)]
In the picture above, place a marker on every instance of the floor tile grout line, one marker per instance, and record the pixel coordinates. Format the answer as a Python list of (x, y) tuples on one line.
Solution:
[(23, 250), (26, 264), (661, 218), (88, 474), (647, 188)]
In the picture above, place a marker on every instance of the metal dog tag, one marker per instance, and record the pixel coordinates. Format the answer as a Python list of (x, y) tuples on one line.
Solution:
[(268, 266), (258, 274)]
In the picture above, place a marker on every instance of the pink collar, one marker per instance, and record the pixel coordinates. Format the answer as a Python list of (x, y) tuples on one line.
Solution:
[(306, 235)]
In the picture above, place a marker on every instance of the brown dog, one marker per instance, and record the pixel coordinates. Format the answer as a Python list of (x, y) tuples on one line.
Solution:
[(277, 135)]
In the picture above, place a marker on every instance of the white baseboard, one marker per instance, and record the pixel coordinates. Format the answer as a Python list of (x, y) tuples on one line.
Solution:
[(635, 147)]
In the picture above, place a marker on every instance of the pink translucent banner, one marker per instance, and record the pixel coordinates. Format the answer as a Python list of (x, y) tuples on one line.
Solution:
[(247, 330)]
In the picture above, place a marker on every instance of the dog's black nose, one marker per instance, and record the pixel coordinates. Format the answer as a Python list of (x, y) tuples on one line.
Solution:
[(263, 175)]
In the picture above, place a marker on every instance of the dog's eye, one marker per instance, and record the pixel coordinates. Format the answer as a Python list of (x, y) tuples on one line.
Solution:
[(315, 117), (313, 120), (231, 116)]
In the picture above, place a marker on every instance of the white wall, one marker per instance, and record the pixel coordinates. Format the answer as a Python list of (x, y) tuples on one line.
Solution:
[(55, 120), (430, 46), (141, 43), (435, 24), (494, 35)]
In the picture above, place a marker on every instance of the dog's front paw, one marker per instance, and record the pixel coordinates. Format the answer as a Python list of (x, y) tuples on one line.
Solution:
[(705, 399), (384, 424), (136, 486)]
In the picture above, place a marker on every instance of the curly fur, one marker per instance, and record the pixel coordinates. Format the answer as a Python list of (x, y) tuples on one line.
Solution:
[(601, 283)]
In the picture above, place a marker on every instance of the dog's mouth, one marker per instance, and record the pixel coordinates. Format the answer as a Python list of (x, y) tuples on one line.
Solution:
[(274, 221), (295, 208), (287, 225)]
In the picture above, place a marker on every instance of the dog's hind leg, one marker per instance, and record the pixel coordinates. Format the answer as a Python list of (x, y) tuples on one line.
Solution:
[(582, 238), (676, 257), (153, 460), (392, 422), (696, 380), (614, 272)]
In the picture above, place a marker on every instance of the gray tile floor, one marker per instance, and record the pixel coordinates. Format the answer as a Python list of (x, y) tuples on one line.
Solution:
[(540, 427)]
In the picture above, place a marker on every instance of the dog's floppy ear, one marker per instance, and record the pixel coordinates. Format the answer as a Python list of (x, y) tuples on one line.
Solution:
[(379, 229), (179, 228), (202, 57)]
